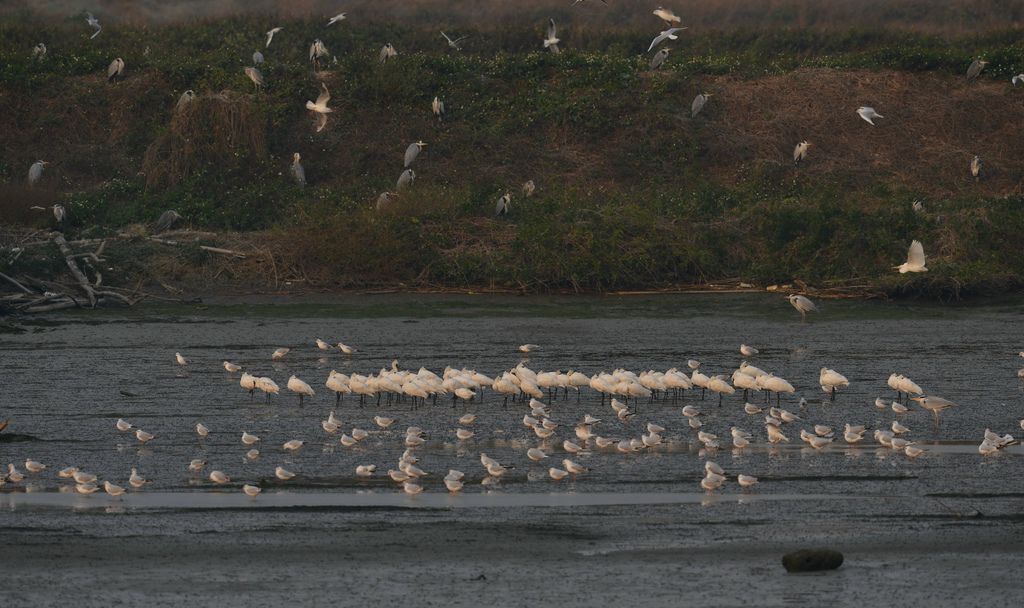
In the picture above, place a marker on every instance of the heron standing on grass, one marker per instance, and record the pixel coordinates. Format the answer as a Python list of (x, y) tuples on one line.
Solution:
[(405, 179), (256, 77), (659, 58), (974, 70), (39, 52), (413, 151), (317, 51), (166, 220), (186, 98), (528, 188), (551, 38), (698, 104), (385, 199), (115, 70), (257, 58), (504, 202), (298, 173), (36, 171)]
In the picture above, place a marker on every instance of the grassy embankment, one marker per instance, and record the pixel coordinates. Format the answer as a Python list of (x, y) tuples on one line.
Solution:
[(632, 192)]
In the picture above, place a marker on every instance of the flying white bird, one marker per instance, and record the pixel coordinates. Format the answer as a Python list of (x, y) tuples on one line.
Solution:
[(337, 18), (551, 39), (915, 259), (669, 34), (320, 107), (94, 23), (666, 15), (454, 43), (868, 114), (270, 35)]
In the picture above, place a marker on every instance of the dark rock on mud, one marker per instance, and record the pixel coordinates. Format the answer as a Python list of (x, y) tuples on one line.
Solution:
[(812, 560)]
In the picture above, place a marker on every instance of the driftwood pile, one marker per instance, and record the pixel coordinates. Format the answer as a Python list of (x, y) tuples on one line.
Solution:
[(32, 295)]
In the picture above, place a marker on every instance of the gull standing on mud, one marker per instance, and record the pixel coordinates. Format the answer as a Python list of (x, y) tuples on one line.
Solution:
[(915, 259)]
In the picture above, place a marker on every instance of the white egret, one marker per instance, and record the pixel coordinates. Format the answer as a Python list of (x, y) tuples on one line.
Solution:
[(868, 113), (915, 259), (698, 104)]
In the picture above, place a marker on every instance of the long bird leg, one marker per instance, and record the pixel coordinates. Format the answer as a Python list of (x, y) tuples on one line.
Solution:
[(833, 397)]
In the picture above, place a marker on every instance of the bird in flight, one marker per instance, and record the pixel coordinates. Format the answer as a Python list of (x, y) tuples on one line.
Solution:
[(551, 40), (454, 43), (915, 259), (868, 113), (270, 35), (669, 34), (337, 18), (320, 107), (94, 23)]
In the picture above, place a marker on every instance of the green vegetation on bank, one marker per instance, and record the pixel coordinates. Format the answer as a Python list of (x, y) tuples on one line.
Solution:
[(632, 193)]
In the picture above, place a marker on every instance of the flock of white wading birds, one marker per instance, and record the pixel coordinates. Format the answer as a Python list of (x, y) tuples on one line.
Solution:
[(528, 388)]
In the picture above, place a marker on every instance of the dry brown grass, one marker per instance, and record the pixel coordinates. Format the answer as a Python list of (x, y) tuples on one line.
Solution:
[(223, 129), (933, 126)]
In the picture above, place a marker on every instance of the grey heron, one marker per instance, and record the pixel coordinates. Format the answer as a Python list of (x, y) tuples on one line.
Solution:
[(317, 51), (666, 15), (186, 97), (115, 70), (802, 304), (974, 70), (454, 43), (270, 35), (551, 39), (385, 199), (39, 52), (800, 152), (659, 58), (36, 171), (915, 259), (298, 173), (413, 151), (257, 58), (165, 221), (405, 179), (1019, 78), (868, 113), (698, 104), (502, 207), (387, 52), (320, 107), (337, 18), (935, 405), (256, 77), (669, 34)]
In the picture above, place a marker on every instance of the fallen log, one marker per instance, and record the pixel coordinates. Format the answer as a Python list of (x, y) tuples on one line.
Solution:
[(69, 258)]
